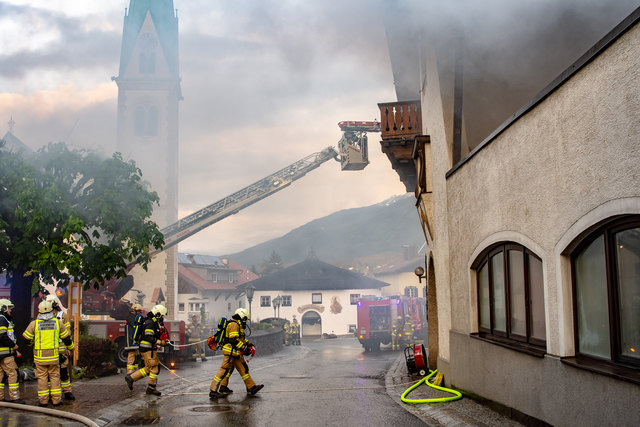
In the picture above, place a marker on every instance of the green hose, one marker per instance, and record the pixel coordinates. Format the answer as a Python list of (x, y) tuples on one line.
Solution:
[(457, 394)]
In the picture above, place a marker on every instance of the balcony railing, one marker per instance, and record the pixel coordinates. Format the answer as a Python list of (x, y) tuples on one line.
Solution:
[(399, 120)]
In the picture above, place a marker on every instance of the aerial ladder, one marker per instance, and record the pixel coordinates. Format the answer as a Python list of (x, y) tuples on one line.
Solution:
[(351, 152)]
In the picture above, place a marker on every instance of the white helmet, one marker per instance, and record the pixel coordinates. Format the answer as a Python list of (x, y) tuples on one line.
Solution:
[(243, 313), (159, 310), (54, 300), (136, 307), (5, 304), (45, 307)]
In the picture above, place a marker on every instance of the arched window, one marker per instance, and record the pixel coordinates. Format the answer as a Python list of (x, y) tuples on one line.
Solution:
[(510, 296), (139, 122), (606, 293), (152, 128), (145, 121)]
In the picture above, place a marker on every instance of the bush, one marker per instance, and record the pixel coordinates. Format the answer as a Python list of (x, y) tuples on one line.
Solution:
[(94, 352)]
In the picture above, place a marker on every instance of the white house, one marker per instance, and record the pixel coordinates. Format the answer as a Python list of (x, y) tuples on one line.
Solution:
[(323, 297)]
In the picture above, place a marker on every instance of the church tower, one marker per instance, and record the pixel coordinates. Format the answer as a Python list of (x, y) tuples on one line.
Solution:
[(147, 130)]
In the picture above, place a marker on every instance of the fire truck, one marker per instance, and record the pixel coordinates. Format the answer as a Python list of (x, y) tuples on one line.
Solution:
[(108, 300), (376, 316), (115, 329)]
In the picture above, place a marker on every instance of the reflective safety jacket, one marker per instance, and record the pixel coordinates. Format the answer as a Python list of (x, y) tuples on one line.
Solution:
[(408, 329), (195, 331), (46, 335), (64, 318), (7, 337), (150, 334), (235, 339)]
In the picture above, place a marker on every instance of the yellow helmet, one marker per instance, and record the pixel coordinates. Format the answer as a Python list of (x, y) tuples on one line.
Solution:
[(45, 307), (243, 313), (159, 310), (5, 304)]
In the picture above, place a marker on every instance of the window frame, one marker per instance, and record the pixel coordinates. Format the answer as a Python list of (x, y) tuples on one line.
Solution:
[(507, 337), (353, 299), (608, 231), (313, 297), (265, 300), (286, 300)]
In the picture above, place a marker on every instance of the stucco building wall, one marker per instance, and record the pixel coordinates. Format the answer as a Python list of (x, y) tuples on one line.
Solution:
[(559, 169)]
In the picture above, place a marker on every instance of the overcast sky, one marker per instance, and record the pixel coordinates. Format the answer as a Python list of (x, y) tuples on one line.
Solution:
[(264, 83)]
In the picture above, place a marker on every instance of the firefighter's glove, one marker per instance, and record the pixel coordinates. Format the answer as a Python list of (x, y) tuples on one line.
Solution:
[(248, 349)]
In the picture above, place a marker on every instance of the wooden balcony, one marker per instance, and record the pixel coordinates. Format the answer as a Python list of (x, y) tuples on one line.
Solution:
[(400, 123)]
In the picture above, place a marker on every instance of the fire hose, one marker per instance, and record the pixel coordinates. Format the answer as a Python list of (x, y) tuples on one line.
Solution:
[(456, 394), (50, 412)]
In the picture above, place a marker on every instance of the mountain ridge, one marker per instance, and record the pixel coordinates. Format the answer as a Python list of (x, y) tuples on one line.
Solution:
[(384, 227)]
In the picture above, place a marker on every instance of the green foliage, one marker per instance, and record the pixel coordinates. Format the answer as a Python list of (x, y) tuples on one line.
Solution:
[(74, 214), (93, 352)]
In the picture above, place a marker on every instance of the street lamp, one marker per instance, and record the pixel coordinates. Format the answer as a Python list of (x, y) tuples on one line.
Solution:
[(419, 271), (278, 302), (273, 302), (249, 290)]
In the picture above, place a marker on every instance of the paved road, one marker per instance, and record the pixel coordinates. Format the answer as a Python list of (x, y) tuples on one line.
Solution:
[(321, 383)]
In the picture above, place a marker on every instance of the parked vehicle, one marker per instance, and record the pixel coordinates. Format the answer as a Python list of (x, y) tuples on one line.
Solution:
[(376, 316)]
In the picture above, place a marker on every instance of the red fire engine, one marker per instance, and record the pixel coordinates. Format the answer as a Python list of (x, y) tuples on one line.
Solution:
[(376, 316)]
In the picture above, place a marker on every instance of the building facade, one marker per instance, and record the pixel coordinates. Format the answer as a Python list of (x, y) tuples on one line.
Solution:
[(529, 198), (208, 286), (321, 296), (147, 130)]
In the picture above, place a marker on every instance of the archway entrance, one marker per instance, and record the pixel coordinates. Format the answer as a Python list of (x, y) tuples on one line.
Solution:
[(311, 324)]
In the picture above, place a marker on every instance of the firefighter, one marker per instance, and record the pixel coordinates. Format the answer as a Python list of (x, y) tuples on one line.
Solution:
[(295, 331), (8, 351), (148, 349), (236, 345), (396, 332), (287, 332), (408, 330), (45, 333), (194, 330), (133, 333), (65, 355)]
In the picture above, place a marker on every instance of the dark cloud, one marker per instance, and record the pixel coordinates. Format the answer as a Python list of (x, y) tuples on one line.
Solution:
[(77, 48)]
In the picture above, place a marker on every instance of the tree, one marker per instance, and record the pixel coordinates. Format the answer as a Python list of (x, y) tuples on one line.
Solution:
[(71, 215), (272, 264)]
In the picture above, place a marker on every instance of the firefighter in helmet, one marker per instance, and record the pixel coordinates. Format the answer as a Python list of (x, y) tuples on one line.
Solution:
[(408, 330), (65, 354), (8, 351), (133, 334), (45, 333), (396, 332), (148, 349), (195, 330), (236, 345), (287, 332), (294, 330)]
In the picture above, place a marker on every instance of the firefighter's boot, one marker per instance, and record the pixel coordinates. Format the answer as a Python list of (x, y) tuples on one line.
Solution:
[(256, 388), (20, 401), (214, 394), (129, 381), (69, 396), (151, 389), (225, 390), (204, 359)]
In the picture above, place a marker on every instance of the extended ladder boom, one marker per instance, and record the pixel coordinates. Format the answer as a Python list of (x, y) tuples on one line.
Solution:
[(189, 225)]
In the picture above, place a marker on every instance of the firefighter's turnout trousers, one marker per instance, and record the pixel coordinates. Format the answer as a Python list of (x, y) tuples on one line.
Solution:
[(9, 367), (150, 369), (132, 366), (232, 358), (229, 363), (46, 333), (8, 364)]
